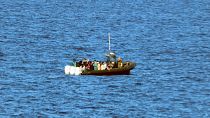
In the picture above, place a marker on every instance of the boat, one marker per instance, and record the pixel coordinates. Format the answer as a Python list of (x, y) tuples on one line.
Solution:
[(111, 66)]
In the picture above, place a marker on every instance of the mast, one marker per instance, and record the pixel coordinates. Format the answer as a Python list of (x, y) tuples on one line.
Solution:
[(110, 56)]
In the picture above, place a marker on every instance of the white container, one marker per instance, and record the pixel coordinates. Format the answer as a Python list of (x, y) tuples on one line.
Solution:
[(67, 69), (78, 71)]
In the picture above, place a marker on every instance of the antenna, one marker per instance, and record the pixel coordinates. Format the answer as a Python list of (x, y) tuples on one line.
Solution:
[(109, 41)]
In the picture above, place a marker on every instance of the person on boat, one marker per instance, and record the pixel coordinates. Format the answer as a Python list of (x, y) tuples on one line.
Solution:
[(103, 66), (119, 61), (127, 63), (82, 67), (95, 65), (99, 65), (91, 66), (108, 66), (85, 61), (78, 64), (88, 66)]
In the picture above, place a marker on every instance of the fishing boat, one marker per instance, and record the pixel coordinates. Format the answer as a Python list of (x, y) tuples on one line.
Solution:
[(111, 66)]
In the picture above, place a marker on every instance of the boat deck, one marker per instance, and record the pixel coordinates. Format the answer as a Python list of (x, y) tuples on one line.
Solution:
[(125, 70)]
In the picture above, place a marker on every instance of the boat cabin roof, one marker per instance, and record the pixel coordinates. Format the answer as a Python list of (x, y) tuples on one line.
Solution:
[(111, 56)]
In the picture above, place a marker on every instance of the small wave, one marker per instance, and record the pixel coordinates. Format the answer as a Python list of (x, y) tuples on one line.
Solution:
[(2, 54)]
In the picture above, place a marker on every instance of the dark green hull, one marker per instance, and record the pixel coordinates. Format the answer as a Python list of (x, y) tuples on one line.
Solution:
[(125, 70)]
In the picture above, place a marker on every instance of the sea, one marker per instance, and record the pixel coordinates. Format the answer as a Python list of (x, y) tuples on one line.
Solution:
[(169, 40)]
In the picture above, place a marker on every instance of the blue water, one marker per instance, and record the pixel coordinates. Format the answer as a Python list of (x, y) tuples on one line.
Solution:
[(169, 41)]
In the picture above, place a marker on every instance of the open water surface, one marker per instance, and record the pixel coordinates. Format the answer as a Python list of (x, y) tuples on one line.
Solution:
[(169, 41)]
